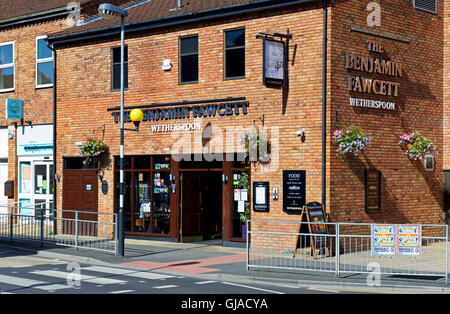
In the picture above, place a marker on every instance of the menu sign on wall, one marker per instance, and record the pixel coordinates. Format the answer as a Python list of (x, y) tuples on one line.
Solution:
[(294, 182)]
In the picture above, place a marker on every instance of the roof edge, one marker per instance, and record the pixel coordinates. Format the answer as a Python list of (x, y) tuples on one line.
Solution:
[(236, 9), (37, 16)]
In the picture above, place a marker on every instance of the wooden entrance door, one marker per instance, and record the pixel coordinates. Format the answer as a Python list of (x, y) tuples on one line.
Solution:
[(80, 193), (192, 206)]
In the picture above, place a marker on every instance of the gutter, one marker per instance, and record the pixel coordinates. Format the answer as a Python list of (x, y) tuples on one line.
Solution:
[(199, 16), (34, 17)]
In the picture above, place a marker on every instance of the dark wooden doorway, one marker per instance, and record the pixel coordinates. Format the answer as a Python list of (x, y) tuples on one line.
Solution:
[(80, 193), (201, 208)]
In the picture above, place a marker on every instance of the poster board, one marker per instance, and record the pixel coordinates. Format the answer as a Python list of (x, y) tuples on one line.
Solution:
[(261, 196), (383, 240), (409, 239)]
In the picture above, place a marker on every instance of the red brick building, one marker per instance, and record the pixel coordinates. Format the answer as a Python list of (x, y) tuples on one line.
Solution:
[(26, 87), (196, 72)]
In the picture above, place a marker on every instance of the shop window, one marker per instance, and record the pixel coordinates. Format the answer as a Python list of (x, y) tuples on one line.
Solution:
[(147, 194), (241, 203), (235, 54), (44, 63), (161, 203), (25, 178), (6, 66), (241, 160), (127, 163), (140, 162), (189, 59), (116, 68), (161, 162)]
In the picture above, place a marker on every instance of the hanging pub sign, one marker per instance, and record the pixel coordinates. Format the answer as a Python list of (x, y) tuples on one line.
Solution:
[(261, 196), (293, 191), (274, 58)]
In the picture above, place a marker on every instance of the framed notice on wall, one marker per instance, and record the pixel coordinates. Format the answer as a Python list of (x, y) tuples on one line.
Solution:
[(261, 196), (273, 63), (373, 190)]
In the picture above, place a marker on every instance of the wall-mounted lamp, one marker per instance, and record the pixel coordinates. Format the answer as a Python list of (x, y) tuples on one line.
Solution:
[(224, 178), (302, 134), (136, 115)]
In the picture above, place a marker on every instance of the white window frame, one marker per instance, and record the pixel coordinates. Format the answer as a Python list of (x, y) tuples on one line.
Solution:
[(44, 60), (10, 65)]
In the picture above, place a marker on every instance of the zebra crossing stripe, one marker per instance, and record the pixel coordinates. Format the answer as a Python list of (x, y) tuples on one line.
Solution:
[(165, 287), (126, 272), (30, 283), (85, 278)]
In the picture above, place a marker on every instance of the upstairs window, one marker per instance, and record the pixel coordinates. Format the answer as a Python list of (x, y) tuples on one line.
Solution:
[(44, 63), (427, 5), (6, 66), (189, 59), (235, 54), (116, 68)]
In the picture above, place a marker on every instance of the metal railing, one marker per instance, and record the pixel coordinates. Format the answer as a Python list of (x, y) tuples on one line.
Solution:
[(78, 229), (341, 248)]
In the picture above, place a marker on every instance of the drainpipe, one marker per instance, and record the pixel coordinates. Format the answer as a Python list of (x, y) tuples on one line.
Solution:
[(54, 125), (324, 101)]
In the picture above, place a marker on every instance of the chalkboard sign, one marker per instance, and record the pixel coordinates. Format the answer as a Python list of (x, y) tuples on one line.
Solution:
[(261, 196), (294, 191), (316, 222), (315, 213)]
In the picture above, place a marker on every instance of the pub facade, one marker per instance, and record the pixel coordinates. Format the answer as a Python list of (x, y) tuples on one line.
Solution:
[(245, 104)]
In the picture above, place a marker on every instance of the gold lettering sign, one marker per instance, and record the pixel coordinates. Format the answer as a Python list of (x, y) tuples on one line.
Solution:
[(371, 65)]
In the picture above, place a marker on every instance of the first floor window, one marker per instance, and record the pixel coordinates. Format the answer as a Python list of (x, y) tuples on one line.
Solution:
[(235, 54), (7, 66), (189, 59), (44, 63), (116, 57)]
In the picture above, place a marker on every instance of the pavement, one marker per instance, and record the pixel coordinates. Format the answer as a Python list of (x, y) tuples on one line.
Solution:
[(211, 261)]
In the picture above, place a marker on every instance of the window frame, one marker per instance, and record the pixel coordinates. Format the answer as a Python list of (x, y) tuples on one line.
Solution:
[(10, 65), (43, 60), (225, 49), (424, 9), (180, 82), (126, 86)]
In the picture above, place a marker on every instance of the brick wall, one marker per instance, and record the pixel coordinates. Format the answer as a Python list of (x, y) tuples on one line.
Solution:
[(84, 94), (446, 86), (408, 193), (38, 102)]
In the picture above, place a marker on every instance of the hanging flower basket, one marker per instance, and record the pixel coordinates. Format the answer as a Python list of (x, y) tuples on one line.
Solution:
[(416, 146), (92, 148), (351, 141), (257, 146)]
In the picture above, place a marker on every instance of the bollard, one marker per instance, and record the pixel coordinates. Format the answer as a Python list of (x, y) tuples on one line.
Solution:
[(42, 226), (11, 218), (337, 250), (76, 230)]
